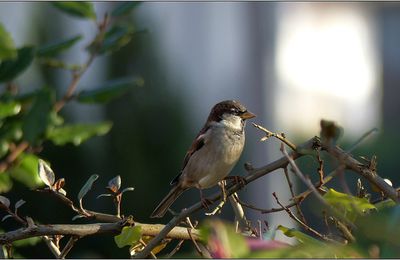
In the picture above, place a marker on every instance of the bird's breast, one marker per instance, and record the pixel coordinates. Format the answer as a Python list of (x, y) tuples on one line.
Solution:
[(214, 161)]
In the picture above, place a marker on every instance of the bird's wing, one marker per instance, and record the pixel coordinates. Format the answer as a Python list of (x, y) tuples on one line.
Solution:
[(196, 145)]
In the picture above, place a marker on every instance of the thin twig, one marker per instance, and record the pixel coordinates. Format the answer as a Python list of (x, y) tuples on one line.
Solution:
[(309, 184), (305, 226), (320, 169), (262, 210), (362, 138), (362, 170), (253, 175), (176, 249), (293, 195), (240, 217), (71, 242), (278, 136), (77, 75), (152, 255), (20, 148), (53, 248), (196, 246)]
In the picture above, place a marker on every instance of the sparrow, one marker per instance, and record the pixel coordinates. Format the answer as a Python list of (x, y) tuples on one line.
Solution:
[(212, 155)]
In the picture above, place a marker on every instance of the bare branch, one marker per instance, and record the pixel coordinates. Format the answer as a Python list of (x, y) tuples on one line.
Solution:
[(53, 248), (290, 213), (71, 242), (253, 175), (278, 136), (362, 170), (293, 195)]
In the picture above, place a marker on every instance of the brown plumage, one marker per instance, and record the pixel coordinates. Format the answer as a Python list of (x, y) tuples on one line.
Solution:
[(213, 153)]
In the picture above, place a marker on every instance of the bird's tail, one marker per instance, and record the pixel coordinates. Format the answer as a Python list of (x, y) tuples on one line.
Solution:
[(164, 205)]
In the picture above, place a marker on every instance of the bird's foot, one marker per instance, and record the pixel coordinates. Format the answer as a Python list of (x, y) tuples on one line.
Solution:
[(237, 180), (206, 203)]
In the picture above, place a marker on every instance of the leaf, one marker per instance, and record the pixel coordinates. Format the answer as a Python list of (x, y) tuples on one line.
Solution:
[(5, 182), (104, 195), (77, 9), (124, 8), (300, 236), (114, 184), (115, 38), (26, 171), (19, 204), (37, 118), (46, 174), (385, 204), (55, 119), (77, 133), (9, 109), (109, 90), (11, 68), (6, 217), (59, 184), (128, 236), (5, 201), (7, 47), (52, 50), (350, 205), (77, 217), (62, 191), (127, 189), (27, 242), (4, 148), (88, 186)]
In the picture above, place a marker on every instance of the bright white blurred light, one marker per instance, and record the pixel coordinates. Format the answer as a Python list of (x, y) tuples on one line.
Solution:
[(326, 67)]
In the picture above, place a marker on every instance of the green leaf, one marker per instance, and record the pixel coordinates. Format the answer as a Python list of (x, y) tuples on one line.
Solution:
[(385, 204), (124, 8), (11, 68), (128, 236), (300, 236), (27, 242), (37, 118), (108, 90), (26, 171), (87, 187), (350, 205), (77, 133), (7, 47), (58, 47), (9, 109), (115, 38), (5, 182), (77, 9)]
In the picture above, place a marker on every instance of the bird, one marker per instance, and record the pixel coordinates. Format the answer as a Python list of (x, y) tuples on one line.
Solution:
[(213, 153)]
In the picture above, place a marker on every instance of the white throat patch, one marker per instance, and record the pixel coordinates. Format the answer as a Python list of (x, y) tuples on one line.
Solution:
[(231, 121)]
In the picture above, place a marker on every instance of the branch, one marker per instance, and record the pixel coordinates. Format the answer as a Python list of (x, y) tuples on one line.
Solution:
[(252, 176), (21, 147), (77, 75), (304, 225), (82, 230), (362, 170)]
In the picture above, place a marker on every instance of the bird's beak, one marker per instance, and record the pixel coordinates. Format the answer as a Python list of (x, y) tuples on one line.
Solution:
[(247, 115)]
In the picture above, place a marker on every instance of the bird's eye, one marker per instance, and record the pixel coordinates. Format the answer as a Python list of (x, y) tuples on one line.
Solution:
[(234, 110)]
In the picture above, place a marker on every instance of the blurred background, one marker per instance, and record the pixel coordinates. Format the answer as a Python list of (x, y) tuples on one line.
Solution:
[(292, 64)]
